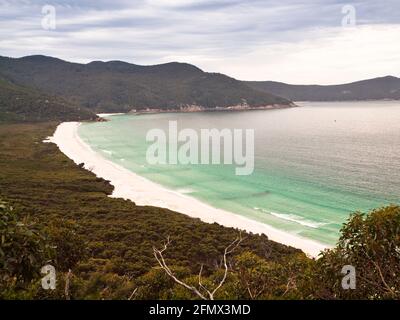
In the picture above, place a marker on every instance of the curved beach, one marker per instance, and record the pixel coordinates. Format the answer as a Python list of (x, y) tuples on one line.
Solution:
[(128, 185)]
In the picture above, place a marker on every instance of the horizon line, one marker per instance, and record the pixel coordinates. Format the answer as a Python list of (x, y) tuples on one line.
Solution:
[(193, 65)]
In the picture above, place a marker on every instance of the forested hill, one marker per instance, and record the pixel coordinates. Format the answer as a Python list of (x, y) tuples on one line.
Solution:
[(18, 103), (117, 86), (373, 89)]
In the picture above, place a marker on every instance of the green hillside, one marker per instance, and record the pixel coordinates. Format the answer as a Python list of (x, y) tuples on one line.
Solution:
[(18, 103), (117, 86), (372, 89)]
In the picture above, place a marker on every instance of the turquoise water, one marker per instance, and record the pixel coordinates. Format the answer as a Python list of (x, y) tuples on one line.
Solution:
[(314, 165)]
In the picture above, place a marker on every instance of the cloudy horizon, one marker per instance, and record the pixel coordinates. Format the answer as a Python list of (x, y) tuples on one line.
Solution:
[(295, 41)]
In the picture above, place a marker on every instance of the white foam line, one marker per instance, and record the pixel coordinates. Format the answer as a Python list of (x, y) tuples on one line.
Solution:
[(105, 115), (293, 218), (129, 185)]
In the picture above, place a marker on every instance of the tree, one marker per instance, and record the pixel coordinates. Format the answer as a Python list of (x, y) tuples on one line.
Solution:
[(23, 248), (371, 244), (70, 248)]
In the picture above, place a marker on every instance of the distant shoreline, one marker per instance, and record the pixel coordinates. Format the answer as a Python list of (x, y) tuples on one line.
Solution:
[(294, 104), (344, 101), (195, 108), (128, 185)]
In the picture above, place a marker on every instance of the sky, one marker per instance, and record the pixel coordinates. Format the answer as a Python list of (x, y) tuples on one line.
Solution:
[(293, 41)]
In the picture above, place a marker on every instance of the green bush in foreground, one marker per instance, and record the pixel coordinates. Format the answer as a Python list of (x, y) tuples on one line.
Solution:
[(23, 249), (370, 243)]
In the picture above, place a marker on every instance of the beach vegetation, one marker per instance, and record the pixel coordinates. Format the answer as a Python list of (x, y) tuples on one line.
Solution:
[(20, 103), (370, 243), (55, 212)]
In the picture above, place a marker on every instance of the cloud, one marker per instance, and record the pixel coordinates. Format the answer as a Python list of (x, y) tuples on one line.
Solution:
[(294, 41), (327, 56)]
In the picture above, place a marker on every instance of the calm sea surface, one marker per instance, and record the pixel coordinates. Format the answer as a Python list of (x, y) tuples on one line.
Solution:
[(314, 165)]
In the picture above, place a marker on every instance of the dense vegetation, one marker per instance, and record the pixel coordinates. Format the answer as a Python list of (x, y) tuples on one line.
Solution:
[(120, 87), (373, 89), (40, 182), (53, 211), (371, 244), (18, 103)]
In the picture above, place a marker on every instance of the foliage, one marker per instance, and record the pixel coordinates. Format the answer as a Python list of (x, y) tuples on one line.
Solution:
[(371, 244), (19, 103), (107, 243), (93, 234), (23, 249), (263, 279), (70, 247)]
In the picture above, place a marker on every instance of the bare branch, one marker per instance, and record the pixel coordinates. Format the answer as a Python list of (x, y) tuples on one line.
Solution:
[(158, 254), (249, 291), (133, 294), (67, 284), (229, 249), (387, 287), (291, 284), (200, 284), (377, 267)]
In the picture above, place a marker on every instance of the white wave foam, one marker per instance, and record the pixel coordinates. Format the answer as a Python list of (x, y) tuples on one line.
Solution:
[(107, 151), (185, 191), (293, 218)]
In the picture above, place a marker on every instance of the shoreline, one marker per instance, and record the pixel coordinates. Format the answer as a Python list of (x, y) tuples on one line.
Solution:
[(194, 109), (105, 115), (130, 186)]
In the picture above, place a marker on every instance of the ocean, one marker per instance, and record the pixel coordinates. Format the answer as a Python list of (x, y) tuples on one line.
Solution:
[(314, 165)]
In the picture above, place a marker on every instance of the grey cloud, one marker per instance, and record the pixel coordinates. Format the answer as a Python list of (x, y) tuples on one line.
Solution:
[(149, 31)]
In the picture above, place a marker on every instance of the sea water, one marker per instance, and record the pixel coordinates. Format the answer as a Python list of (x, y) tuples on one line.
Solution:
[(314, 165)]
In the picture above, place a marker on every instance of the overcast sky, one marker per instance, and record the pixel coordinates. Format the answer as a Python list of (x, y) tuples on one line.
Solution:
[(295, 41)]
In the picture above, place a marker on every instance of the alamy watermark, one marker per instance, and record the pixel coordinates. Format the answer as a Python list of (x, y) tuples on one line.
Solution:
[(49, 280), (211, 146), (349, 19), (349, 279), (49, 18)]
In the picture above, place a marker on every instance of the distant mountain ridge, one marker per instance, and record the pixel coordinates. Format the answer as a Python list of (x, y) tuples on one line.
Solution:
[(117, 86), (372, 89), (41, 88)]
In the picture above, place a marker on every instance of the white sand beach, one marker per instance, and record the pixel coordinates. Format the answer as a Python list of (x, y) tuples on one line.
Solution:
[(129, 185)]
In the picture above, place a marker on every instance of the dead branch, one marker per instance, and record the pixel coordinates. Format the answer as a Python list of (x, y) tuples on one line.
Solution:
[(229, 249), (158, 254), (387, 287), (378, 268), (133, 294), (67, 284), (291, 284)]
